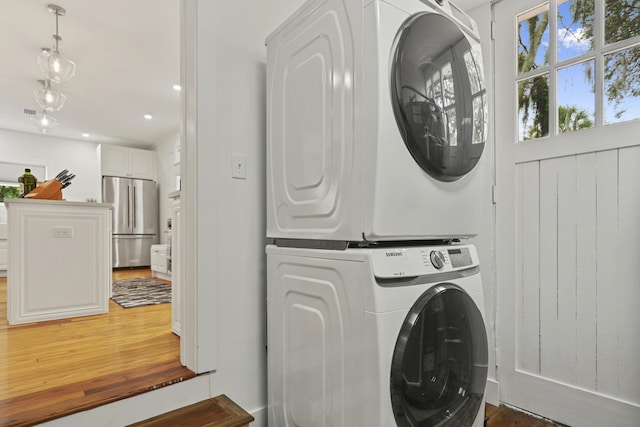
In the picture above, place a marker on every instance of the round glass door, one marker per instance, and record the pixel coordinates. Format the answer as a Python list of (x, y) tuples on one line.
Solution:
[(438, 95), (439, 365)]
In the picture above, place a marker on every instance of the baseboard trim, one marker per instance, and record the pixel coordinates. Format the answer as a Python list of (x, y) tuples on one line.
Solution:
[(161, 275), (260, 417), (492, 393)]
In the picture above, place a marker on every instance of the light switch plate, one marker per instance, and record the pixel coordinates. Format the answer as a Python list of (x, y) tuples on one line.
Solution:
[(239, 166)]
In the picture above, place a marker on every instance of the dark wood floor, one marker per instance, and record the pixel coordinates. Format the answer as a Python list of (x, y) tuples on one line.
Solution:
[(503, 416)]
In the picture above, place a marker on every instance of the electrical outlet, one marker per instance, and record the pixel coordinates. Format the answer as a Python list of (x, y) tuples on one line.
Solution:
[(63, 232), (239, 167)]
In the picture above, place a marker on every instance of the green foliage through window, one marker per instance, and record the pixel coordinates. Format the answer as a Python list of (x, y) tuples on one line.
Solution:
[(9, 192), (572, 118), (576, 27)]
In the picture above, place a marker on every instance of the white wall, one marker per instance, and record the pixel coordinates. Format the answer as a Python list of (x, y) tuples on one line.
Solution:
[(79, 157), (231, 92)]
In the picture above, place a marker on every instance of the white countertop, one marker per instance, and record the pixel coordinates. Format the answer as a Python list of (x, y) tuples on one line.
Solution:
[(58, 202)]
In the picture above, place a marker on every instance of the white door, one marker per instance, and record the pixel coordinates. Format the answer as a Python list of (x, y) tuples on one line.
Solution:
[(568, 208)]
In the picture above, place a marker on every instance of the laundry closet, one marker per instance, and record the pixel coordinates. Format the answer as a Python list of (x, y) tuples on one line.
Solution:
[(376, 126)]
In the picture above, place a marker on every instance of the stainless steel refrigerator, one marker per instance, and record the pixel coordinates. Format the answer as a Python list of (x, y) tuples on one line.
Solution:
[(135, 219)]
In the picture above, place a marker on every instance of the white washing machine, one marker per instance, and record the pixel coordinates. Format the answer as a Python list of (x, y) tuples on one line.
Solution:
[(376, 337), (376, 122)]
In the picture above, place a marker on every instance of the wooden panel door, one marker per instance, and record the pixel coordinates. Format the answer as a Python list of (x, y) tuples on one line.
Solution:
[(567, 243)]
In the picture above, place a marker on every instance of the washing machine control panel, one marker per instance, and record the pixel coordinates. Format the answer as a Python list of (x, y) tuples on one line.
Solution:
[(419, 261), (437, 259), (460, 257)]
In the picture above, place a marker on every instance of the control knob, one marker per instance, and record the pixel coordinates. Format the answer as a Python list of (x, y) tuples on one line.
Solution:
[(437, 259)]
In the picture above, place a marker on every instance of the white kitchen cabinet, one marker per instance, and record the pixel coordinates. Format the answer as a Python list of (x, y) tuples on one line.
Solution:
[(160, 261), (127, 162), (176, 286)]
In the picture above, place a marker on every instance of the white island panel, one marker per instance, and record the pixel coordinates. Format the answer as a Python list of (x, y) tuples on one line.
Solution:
[(59, 260), (3, 248)]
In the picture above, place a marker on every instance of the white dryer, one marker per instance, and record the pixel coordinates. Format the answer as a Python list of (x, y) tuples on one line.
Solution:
[(376, 122), (376, 337)]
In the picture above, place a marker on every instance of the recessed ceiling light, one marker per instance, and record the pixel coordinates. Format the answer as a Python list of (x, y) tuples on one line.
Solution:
[(86, 135), (148, 116), (177, 88)]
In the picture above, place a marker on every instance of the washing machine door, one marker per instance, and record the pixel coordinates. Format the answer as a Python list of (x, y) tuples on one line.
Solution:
[(438, 95), (439, 365)]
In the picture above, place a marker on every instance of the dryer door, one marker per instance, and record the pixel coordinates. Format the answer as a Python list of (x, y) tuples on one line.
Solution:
[(438, 95), (439, 365)]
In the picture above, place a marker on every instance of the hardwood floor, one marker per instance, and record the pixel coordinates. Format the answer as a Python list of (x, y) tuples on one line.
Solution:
[(502, 416), (51, 369)]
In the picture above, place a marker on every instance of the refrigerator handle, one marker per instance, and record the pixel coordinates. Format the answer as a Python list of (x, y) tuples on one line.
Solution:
[(129, 206), (134, 207)]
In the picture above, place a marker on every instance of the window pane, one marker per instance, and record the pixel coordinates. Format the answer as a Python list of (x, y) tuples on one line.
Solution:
[(437, 89), (533, 39), (452, 125), (575, 28), (622, 85), (447, 85), (480, 124), (533, 107), (9, 172), (576, 97), (475, 74), (622, 20)]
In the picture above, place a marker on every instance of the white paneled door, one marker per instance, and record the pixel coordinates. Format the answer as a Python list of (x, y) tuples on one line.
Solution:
[(568, 212)]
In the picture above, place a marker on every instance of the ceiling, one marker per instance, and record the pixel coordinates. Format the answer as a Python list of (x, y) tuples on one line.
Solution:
[(128, 58)]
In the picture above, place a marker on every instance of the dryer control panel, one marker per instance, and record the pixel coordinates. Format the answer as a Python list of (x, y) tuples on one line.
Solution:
[(422, 260)]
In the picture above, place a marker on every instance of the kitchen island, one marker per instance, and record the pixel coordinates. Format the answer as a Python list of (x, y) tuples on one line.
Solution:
[(59, 259)]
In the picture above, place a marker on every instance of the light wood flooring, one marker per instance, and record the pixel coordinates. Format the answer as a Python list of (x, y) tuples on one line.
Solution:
[(51, 369)]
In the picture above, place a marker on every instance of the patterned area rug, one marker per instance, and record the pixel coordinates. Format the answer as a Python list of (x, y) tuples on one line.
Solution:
[(140, 291)]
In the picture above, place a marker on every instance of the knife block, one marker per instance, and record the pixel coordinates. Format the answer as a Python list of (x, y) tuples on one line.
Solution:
[(49, 190)]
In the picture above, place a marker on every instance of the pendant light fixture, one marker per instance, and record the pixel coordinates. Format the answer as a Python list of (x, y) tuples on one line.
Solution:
[(56, 66), (48, 98), (45, 122)]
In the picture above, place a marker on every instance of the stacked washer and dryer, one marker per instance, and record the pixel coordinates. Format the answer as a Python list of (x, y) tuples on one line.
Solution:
[(376, 124)]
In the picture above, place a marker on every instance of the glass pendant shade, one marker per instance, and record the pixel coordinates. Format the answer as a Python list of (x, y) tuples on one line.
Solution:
[(48, 98), (55, 66), (45, 122)]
